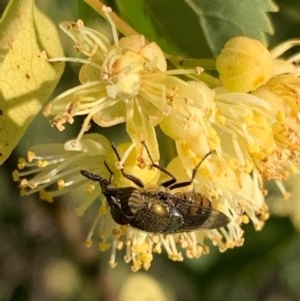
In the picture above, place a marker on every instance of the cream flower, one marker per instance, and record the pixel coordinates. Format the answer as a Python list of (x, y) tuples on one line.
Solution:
[(242, 122), (192, 107), (236, 125), (282, 92), (126, 81), (276, 82), (140, 246), (54, 169), (231, 189), (250, 137)]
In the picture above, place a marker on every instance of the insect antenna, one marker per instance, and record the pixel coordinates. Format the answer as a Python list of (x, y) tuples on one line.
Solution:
[(96, 178)]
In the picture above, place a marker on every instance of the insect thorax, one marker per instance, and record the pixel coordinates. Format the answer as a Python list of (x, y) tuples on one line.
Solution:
[(150, 210)]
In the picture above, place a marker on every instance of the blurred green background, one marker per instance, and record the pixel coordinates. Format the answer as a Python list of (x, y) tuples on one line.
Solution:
[(41, 251)]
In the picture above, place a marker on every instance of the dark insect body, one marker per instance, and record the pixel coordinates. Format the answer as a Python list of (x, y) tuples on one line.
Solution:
[(158, 210)]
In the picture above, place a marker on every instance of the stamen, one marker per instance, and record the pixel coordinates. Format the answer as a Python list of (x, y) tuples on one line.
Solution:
[(75, 60), (89, 241), (120, 163), (107, 11), (283, 47)]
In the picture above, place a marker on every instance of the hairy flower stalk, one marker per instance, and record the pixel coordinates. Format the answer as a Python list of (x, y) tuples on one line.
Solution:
[(251, 123)]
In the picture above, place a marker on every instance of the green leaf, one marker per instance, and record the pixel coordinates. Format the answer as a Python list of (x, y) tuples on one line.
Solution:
[(171, 23), (197, 28), (222, 20), (26, 79), (135, 13)]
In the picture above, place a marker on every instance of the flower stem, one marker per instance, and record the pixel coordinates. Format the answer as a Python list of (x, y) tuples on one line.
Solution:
[(122, 26), (207, 64)]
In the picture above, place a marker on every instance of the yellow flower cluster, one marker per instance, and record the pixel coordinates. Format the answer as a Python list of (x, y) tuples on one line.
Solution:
[(251, 121)]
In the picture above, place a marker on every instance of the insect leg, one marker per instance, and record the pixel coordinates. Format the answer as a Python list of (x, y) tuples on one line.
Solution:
[(194, 173), (167, 183), (110, 172), (133, 179)]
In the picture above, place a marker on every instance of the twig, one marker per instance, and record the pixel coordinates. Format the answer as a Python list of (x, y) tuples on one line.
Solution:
[(122, 26)]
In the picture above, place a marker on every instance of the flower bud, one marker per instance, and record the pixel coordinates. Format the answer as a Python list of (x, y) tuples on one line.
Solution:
[(244, 64)]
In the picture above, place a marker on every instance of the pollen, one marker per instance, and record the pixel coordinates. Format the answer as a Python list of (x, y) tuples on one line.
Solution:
[(31, 156), (23, 183), (245, 219), (176, 256), (103, 247), (88, 243), (103, 210), (45, 196), (61, 184), (21, 163), (89, 188)]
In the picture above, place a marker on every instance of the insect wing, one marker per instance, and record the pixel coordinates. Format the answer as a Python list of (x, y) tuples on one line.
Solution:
[(198, 213), (207, 218), (215, 220)]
